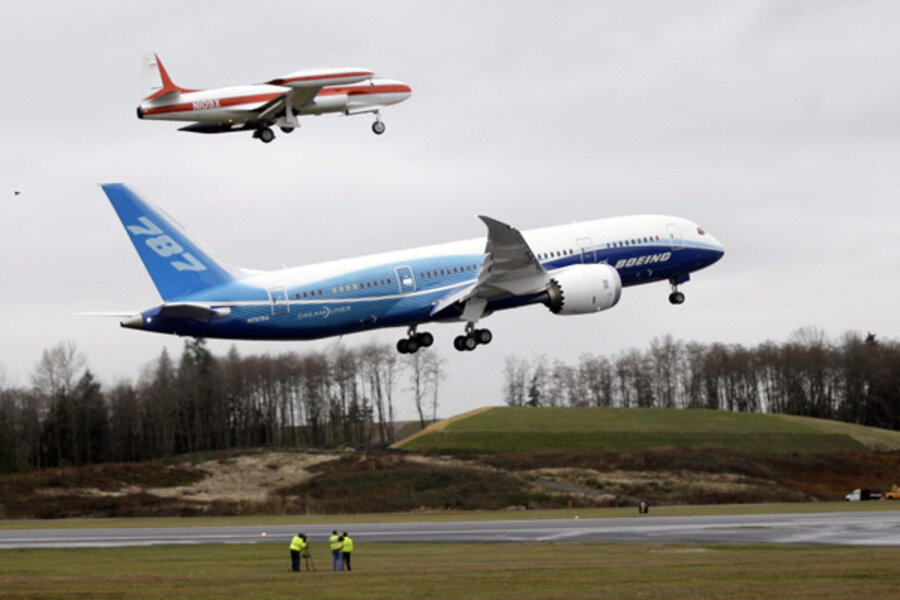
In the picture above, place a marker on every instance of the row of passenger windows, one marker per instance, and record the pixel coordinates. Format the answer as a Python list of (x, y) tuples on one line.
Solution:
[(447, 271), (344, 288), (465, 268), (633, 242), (369, 284), (556, 254)]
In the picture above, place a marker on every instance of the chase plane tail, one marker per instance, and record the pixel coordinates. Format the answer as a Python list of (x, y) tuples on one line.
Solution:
[(156, 81)]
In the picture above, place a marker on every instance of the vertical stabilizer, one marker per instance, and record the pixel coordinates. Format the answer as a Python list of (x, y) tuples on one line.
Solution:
[(156, 81), (177, 265)]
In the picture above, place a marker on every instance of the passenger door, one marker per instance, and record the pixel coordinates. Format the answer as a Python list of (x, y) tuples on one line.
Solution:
[(588, 254), (675, 238), (279, 299), (405, 279)]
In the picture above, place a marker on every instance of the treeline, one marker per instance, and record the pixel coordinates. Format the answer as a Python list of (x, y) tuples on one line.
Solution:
[(856, 379), (203, 402)]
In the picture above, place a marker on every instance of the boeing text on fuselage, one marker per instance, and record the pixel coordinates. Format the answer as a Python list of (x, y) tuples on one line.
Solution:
[(574, 269)]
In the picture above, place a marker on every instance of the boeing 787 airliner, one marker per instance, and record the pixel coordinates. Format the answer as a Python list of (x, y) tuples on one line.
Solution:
[(573, 269)]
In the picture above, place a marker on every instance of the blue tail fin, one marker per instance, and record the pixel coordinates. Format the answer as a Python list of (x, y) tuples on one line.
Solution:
[(176, 265)]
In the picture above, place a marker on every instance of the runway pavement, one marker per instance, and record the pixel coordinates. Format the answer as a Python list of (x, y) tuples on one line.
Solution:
[(865, 528)]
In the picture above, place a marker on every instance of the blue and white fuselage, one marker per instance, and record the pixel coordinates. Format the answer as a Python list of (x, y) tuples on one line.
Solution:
[(574, 269)]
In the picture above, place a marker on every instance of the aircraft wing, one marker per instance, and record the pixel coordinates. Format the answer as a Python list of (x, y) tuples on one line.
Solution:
[(295, 97), (273, 107), (510, 268)]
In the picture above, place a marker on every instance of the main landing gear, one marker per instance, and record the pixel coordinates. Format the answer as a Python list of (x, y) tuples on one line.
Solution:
[(675, 297), (413, 341), (472, 339), (265, 134)]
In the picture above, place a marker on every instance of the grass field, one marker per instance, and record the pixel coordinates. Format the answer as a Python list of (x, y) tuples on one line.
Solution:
[(470, 571), (531, 429)]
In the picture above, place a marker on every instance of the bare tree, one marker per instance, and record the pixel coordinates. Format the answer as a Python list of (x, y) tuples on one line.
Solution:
[(58, 369), (434, 374), (515, 376), (418, 382)]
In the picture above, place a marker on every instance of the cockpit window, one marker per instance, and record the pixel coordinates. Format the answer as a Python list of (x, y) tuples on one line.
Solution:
[(701, 231)]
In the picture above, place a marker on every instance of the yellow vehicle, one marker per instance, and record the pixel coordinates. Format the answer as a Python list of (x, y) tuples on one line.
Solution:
[(894, 494)]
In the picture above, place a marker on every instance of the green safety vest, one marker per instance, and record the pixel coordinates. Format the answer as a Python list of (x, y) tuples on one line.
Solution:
[(348, 544), (334, 543), (297, 543)]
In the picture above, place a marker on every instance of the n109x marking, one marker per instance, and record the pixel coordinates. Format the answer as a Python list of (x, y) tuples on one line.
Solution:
[(165, 246)]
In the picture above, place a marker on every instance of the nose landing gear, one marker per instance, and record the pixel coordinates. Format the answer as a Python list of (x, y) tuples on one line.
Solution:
[(472, 339), (413, 341), (675, 297), (378, 125)]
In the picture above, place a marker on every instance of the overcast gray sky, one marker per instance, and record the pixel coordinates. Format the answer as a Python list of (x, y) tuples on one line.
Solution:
[(775, 125)]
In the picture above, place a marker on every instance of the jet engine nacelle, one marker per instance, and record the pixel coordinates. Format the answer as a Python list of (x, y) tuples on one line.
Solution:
[(583, 289)]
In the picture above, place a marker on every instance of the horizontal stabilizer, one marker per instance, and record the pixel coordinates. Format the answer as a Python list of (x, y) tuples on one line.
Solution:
[(194, 312), (106, 313)]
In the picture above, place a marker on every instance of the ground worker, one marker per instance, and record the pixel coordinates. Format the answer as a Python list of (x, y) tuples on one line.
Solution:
[(347, 550), (336, 543), (297, 546)]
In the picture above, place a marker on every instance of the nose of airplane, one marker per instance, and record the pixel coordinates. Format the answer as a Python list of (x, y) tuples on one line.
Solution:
[(717, 247), (714, 249), (403, 91)]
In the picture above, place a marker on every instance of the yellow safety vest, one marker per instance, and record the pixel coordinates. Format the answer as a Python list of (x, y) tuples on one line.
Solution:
[(297, 543), (348, 544), (334, 543)]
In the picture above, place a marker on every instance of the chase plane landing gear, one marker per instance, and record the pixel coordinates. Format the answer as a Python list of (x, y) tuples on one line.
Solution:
[(472, 339), (413, 341), (378, 125), (264, 134), (675, 297)]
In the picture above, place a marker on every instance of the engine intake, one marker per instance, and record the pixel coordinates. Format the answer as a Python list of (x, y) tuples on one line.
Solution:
[(583, 289)]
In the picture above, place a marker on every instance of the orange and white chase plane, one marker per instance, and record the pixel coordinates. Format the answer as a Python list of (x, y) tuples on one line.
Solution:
[(261, 106)]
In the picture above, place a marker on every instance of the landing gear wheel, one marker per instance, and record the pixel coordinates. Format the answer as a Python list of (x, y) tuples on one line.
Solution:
[(378, 127), (483, 336), (469, 343), (265, 135), (402, 346), (459, 342), (286, 129), (425, 339), (412, 345), (676, 298)]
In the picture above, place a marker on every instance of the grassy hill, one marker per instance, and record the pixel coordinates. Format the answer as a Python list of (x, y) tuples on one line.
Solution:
[(509, 429), (504, 457)]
